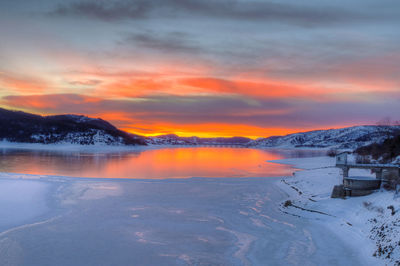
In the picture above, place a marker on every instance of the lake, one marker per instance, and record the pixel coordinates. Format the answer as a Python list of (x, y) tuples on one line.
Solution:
[(159, 221), (179, 162)]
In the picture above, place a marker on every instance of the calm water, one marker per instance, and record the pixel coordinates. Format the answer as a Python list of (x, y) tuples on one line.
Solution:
[(151, 164)]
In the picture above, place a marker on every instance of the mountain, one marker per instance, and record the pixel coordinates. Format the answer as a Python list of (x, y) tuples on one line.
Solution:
[(173, 139), (343, 138), (16, 126)]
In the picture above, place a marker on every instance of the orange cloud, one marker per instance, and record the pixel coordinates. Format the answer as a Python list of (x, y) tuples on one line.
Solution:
[(130, 87), (135, 87), (264, 89), (22, 84), (49, 102)]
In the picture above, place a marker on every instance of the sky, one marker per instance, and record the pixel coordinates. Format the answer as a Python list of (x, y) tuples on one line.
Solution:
[(209, 68)]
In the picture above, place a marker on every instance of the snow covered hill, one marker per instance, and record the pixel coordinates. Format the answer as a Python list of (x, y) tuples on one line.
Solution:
[(350, 137), (61, 129), (23, 127), (172, 139)]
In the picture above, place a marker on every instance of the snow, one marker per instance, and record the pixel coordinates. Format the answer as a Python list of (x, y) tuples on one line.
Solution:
[(343, 138), (361, 178), (361, 221), (92, 136)]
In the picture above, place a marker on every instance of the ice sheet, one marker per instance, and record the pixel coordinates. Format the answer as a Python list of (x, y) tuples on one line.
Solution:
[(194, 221)]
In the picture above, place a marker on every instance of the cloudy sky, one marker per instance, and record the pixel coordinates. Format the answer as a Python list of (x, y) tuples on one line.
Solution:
[(204, 67)]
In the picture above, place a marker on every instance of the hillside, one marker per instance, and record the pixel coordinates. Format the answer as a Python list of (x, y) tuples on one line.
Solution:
[(19, 126), (386, 151), (343, 138)]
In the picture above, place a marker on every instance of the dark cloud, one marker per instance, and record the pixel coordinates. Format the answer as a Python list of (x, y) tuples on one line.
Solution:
[(177, 42), (105, 10), (301, 14)]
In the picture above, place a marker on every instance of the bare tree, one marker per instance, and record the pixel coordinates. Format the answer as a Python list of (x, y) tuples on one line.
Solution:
[(386, 121)]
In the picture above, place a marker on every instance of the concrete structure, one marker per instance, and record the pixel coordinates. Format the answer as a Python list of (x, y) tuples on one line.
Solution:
[(343, 163), (361, 183), (359, 186), (341, 158)]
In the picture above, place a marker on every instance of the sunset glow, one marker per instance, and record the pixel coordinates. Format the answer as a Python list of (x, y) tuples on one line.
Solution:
[(224, 68)]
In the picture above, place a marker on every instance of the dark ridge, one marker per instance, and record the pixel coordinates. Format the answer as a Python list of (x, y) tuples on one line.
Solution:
[(17, 126)]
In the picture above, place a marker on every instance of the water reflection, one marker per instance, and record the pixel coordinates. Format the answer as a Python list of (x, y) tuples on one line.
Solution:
[(149, 164)]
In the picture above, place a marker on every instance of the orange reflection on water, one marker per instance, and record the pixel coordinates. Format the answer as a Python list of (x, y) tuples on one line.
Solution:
[(182, 162), (197, 162)]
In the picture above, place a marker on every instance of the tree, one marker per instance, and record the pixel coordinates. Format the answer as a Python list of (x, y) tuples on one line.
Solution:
[(386, 121)]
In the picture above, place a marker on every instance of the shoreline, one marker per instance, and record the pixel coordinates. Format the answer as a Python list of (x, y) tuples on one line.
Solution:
[(73, 147), (355, 220), (67, 147)]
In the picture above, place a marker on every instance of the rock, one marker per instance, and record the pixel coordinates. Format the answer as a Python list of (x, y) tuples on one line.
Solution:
[(338, 192)]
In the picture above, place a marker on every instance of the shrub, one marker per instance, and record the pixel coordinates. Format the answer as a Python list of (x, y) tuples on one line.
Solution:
[(287, 203), (388, 150), (332, 152), (391, 207), (392, 180)]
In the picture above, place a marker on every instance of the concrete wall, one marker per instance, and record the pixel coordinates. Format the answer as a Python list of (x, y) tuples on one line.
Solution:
[(361, 184)]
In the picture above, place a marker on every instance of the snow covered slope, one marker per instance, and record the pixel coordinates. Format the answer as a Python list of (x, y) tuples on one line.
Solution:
[(350, 137), (75, 129), (370, 223)]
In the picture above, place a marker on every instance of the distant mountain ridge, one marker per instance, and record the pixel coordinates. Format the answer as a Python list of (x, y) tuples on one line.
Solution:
[(342, 138), (173, 139), (17, 126)]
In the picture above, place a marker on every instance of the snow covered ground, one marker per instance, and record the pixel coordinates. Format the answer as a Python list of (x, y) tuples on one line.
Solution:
[(371, 224)]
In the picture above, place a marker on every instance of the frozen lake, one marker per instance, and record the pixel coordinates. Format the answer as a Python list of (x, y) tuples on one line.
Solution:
[(189, 221)]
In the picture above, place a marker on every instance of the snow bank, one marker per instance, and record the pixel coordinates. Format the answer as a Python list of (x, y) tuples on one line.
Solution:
[(371, 222)]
